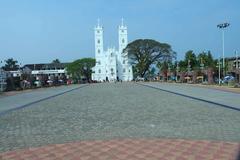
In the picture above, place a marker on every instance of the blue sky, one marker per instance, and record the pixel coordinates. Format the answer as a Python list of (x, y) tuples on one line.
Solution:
[(34, 31)]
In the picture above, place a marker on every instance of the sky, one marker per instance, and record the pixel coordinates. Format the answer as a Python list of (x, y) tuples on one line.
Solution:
[(38, 31)]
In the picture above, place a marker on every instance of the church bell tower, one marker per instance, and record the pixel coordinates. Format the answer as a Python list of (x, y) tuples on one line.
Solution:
[(98, 40), (122, 37)]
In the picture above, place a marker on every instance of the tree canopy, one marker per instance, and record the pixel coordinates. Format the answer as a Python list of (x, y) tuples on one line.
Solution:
[(11, 65), (81, 68), (195, 61), (207, 59), (143, 53), (56, 61)]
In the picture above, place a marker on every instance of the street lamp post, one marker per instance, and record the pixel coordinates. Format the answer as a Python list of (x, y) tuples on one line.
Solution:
[(219, 71), (177, 71), (169, 70), (236, 59), (201, 64), (202, 67), (189, 70), (222, 26), (1, 74), (189, 66)]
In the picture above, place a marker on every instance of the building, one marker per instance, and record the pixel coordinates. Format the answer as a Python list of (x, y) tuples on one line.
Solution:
[(49, 70), (3, 78), (111, 64), (56, 69), (233, 67)]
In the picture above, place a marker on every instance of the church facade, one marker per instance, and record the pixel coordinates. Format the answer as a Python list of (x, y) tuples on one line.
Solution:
[(111, 64)]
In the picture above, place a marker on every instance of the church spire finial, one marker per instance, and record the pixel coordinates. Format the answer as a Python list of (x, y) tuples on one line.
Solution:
[(122, 21), (98, 21)]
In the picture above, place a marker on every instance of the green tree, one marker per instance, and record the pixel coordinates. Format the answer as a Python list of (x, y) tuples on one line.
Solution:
[(182, 65), (163, 67), (189, 59), (143, 53), (81, 68), (207, 59), (56, 61), (11, 65)]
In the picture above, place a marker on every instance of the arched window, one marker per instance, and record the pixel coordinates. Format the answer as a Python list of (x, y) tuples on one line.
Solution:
[(123, 41), (98, 41), (99, 51), (111, 70), (124, 70), (99, 71), (98, 31), (122, 31), (99, 62), (123, 61)]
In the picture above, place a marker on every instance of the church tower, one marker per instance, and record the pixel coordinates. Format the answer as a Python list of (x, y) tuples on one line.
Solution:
[(99, 53), (98, 41), (122, 37)]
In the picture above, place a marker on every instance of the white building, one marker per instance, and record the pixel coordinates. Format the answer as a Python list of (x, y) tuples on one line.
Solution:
[(111, 64)]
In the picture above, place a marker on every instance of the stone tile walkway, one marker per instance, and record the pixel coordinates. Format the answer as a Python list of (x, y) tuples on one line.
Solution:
[(131, 149)]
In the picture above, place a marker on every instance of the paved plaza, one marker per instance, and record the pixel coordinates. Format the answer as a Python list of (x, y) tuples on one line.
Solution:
[(115, 113)]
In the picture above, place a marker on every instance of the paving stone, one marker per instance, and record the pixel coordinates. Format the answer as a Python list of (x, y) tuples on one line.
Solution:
[(114, 112)]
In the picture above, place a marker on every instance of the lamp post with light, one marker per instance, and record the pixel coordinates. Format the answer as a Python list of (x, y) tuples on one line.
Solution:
[(222, 26), (177, 70)]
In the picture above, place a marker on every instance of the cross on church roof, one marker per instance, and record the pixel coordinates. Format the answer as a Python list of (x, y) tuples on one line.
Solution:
[(98, 22), (122, 21)]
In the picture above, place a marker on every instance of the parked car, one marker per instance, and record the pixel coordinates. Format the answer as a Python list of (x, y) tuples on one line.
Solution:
[(37, 83), (228, 79), (140, 79)]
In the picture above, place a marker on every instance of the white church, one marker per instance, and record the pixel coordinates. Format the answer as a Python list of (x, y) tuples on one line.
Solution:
[(111, 64)]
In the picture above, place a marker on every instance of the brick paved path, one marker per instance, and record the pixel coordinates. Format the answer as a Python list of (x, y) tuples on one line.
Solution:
[(129, 149)]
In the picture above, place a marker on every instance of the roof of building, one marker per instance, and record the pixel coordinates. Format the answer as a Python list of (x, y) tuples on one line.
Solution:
[(231, 58), (44, 66)]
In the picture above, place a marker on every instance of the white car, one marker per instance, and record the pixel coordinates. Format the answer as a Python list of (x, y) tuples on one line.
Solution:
[(140, 79)]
